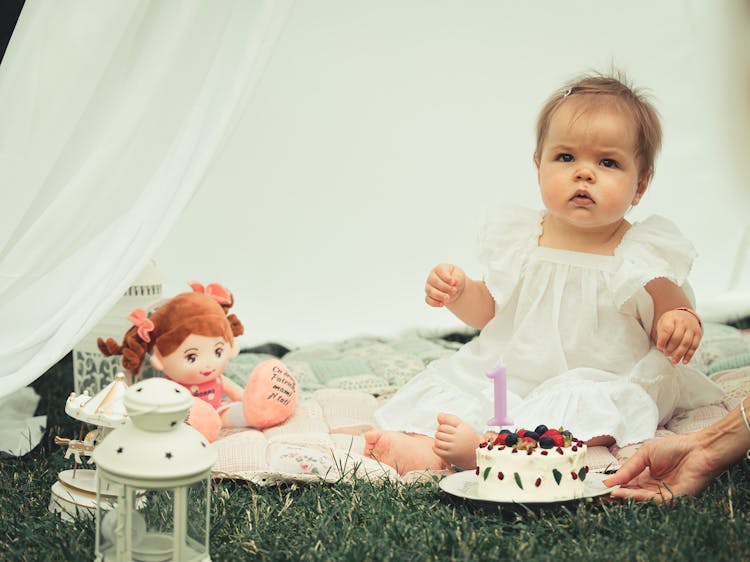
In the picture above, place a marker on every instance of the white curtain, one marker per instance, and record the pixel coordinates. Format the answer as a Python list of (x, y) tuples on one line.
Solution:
[(111, 114)]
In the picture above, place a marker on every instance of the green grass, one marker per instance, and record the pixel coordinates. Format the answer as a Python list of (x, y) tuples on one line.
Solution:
[(364, 521)]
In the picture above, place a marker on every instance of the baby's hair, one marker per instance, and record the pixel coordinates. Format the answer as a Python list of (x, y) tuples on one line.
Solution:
[(617, 86), (173, 321)]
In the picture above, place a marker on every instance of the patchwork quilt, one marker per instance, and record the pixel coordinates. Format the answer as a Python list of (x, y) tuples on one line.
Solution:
[(342, 383)]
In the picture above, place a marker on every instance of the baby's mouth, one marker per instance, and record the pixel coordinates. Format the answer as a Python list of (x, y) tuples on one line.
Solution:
[(582, 197), (206, 373)]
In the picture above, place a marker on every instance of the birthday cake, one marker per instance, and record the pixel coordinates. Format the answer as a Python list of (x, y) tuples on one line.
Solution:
[(527, 466)]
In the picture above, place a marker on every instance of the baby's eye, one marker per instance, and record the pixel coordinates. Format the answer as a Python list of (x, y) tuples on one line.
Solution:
[(608, 163), (564, 157), (219, 352), (191, 358)]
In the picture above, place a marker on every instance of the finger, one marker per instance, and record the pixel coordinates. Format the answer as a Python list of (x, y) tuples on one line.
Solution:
[(434, 297), (445, 273), (440, 284), (632, 468), (657, 494), (437, 294), (451, 275), (456, 277), (663, 333), (433, 302), (637, 494), (693, 348), (683, 347), (675, 339)]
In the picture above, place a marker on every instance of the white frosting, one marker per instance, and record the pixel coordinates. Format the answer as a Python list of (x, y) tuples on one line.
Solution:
[(505, 475)]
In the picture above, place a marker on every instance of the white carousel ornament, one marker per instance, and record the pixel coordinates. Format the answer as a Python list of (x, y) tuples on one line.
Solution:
[(156, 452), (74, 493)]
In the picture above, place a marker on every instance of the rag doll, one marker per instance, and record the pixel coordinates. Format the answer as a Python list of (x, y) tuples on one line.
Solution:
[(190, 339)]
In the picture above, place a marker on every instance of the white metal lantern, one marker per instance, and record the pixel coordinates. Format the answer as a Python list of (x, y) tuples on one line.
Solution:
[(156, 453)]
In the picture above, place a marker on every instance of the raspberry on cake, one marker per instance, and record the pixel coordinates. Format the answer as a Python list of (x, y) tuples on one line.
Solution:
[(553, 466)]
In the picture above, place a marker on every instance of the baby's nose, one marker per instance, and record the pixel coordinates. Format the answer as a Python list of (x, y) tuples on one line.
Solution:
[(584, 174)]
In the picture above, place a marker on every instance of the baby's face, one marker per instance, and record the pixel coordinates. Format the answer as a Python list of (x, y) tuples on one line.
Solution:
[(588, 169), (197, 360)]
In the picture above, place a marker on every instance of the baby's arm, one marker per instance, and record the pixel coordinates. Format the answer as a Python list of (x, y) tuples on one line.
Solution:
[(470, 300), (675, 332)]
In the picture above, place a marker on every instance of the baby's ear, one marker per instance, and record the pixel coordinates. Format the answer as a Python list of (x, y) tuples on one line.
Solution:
[(156, 360), (643, 183)]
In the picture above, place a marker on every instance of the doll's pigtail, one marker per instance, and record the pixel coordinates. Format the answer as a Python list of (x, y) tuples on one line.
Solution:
[(134, 344), (108, 347), (133, 349), (237, 328)]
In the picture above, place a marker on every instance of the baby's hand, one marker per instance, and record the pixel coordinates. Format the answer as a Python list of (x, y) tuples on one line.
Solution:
[(678, 334), (445, 285)]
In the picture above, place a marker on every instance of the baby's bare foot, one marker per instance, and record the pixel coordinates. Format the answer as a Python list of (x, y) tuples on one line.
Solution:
[(456, 441), (402, 451)]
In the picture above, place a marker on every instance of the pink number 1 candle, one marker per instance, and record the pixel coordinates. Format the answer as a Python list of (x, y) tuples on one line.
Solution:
[(501, 398)]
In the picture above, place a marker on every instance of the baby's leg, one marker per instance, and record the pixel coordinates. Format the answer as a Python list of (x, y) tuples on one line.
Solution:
[(402, 451), (456, 441), (601, 441)]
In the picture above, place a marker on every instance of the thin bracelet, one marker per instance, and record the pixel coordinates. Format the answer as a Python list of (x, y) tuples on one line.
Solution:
[(744, 417), (694, 313)]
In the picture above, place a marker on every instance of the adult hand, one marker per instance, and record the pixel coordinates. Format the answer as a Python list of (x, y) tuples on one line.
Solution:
[(665, 468), (445, 285)]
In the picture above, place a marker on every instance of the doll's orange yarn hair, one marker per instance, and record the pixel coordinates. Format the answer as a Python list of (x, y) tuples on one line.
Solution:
[(174, 320)]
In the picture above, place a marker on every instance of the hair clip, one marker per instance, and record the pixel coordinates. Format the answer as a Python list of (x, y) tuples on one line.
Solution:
[(568, 92), (214, 291), (140, 319)]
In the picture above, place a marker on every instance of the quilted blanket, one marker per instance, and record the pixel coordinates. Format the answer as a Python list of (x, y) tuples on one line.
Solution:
[(342, 384)]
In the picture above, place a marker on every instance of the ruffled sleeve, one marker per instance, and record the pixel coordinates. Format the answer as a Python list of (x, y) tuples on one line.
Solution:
[(506, 239), (651, 249)]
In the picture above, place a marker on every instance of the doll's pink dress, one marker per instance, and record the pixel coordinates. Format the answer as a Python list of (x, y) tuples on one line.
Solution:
[(573, 332), (211, 391)]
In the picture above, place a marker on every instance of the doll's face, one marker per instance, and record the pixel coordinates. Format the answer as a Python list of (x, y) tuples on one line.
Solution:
[(198, 359)]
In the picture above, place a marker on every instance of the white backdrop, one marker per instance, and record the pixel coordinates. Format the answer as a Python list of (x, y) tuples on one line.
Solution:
[(380, 130), (112, 111)]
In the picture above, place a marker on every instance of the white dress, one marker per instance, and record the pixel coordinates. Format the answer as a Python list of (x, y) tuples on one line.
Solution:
[(573, 330)]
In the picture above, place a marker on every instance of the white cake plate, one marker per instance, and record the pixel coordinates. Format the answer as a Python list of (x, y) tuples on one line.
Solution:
[(464, 485)]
